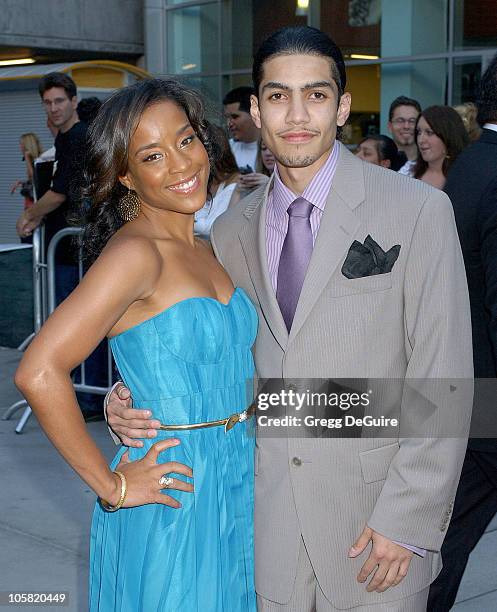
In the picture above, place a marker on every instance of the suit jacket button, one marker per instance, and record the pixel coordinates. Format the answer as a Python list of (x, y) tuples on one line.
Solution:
[(297, 461)]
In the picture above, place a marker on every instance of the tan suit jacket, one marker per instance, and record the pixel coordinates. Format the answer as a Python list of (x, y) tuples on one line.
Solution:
[(413, 322)]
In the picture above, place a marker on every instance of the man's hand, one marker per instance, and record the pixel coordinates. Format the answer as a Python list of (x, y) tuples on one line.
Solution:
[(389, 561), (25, 225), (128, 422), (253, 179)]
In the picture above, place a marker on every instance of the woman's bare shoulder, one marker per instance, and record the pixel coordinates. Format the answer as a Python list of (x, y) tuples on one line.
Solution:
[(131, 255), (132, 243)]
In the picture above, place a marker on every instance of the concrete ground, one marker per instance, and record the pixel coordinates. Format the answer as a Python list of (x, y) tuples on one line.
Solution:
[(45, 514)]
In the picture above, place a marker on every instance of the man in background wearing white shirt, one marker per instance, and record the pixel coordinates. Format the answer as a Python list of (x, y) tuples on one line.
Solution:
[(243, 132)]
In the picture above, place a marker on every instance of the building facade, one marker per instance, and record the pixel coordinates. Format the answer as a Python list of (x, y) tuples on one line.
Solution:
[(431, 50)]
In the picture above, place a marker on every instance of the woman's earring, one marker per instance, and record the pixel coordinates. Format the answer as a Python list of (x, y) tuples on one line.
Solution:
[(129, 206)]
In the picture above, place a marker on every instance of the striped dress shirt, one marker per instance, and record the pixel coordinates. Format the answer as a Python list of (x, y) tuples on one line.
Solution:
[(280, 198)]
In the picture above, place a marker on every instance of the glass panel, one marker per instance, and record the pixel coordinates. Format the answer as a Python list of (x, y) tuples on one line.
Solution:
[(363, 83), (374, 88), (237, 34), (192, 39), (355, 25), (475, 23), (209, 89), (269, 16), (425, 81), (230, 81), (413, 27), (466, 77), (176, 2)]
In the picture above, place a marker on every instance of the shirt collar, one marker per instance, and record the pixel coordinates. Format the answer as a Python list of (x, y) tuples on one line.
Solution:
[(490, 126), (316, 191)]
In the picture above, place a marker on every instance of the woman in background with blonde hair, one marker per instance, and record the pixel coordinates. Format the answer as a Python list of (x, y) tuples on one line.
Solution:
[(31, 149), (468, 113)]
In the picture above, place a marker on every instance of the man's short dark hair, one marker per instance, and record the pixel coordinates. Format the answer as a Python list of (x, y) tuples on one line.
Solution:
[(403, 101), (487, 94), (300, 40), (88, 108), (241, 95), (57, 79)]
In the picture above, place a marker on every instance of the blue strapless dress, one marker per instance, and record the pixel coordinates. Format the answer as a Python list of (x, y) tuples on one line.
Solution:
[(190, 363)]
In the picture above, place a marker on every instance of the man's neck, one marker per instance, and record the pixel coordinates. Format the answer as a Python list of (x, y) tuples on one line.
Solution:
[(411, 151), (247, 142), (297, 179), (69, 124)]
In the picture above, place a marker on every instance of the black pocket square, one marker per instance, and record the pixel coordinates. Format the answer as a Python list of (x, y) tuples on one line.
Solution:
[(369, 259)]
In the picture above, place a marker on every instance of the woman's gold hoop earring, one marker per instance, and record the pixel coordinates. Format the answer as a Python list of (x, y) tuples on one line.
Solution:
[(129, 206)]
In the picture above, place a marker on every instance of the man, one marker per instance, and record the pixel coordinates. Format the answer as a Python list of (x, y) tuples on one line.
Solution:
[(88, 109), (472, 187), (58, 93), (59, 97), (329, 513), (402, 118), (244, 133)]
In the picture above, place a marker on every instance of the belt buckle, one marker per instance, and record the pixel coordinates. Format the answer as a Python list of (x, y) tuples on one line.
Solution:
[(231, 422)]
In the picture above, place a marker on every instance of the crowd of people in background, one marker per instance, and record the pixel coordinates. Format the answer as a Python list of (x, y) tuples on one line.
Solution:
[(423, 145)]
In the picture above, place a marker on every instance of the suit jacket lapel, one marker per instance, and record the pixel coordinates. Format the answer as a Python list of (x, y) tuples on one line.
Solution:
[(253, 241), (336, 233)]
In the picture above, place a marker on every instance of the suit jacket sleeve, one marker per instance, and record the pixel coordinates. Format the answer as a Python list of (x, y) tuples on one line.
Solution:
[(416, 500), (487, 225)]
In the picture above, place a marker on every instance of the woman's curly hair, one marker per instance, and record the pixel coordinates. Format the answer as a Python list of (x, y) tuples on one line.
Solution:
[(108, 145)]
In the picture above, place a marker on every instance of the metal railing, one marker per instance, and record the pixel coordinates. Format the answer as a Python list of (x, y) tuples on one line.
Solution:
[(44, 303)]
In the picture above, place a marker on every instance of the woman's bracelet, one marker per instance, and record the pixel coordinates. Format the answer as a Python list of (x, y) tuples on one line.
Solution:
[(124, 490)]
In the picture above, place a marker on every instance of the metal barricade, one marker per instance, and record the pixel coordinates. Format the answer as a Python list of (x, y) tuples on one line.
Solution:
[(44, 296), (39, 314)]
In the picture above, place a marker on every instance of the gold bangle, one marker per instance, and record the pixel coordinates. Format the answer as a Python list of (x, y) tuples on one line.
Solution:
[(124, 490)]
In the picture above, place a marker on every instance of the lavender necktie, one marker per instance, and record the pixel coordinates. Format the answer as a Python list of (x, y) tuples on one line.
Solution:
[(295, 256)]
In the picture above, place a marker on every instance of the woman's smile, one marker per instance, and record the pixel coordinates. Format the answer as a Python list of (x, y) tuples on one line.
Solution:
[(187, 186)]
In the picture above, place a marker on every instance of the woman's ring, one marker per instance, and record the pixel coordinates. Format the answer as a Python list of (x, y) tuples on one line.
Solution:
[(165, 481)]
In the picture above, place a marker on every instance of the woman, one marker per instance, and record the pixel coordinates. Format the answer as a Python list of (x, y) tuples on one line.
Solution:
[(469, 114), (223, 187), (31, 149), (181, 336), (440, 136), (264, 167), (382, 151)]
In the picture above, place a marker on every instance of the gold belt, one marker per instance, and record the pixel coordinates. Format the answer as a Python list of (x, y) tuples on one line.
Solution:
[(228, 423)]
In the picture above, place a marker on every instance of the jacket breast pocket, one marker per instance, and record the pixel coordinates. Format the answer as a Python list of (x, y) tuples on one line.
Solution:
[(367, 284), (375, 462)]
